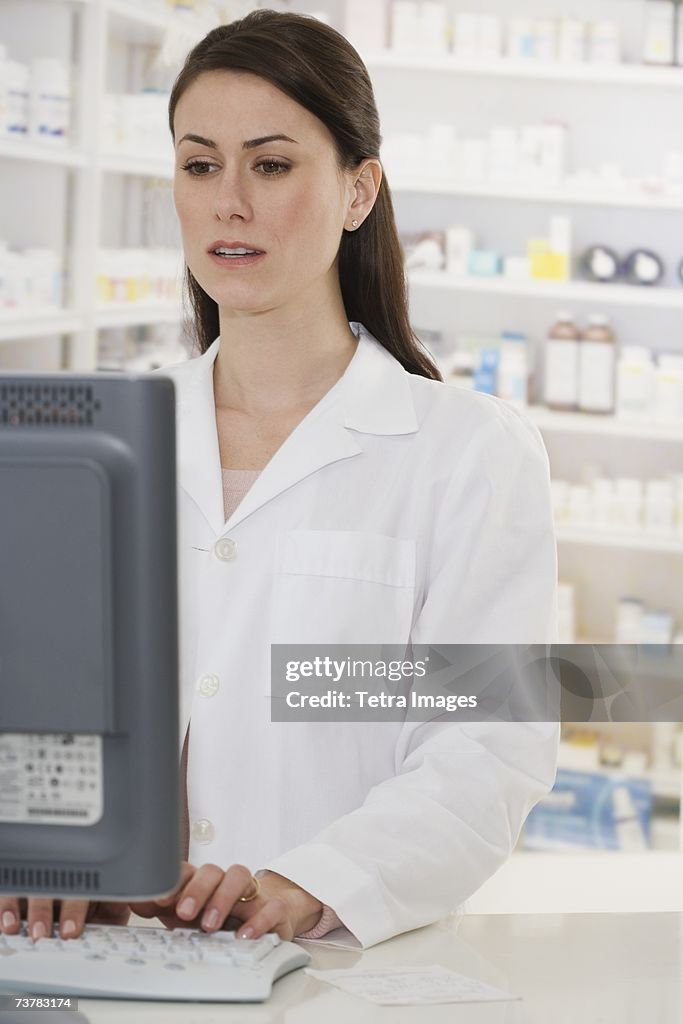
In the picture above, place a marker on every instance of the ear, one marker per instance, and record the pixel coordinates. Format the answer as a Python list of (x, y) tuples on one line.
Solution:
[(365, 182)]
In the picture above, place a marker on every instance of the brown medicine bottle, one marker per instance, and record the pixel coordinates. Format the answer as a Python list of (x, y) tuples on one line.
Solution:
[(561, 378), (596, 366)]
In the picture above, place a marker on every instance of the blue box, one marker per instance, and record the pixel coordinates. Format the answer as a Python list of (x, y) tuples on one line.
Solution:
[(486, 373), (591, 811), (484, 263)]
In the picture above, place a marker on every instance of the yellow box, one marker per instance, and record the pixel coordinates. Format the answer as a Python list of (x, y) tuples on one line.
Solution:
[(550, 266)]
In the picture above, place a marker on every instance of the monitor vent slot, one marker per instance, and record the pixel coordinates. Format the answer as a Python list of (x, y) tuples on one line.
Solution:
[(36, 879), (48, 405)]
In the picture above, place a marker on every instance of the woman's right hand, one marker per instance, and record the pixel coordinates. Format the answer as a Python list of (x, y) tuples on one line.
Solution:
[(71, 915)]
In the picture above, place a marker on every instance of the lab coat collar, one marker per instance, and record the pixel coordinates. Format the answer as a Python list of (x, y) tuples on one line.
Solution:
[(373, 396)]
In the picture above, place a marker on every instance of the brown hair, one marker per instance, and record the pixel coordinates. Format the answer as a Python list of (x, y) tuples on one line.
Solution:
[(319, 69)]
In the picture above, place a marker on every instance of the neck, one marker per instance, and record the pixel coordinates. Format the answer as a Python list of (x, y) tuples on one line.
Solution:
[(280, 362)]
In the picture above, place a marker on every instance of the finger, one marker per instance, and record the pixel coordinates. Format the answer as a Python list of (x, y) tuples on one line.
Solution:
[(193, 897), (273, 916), (10, 915), (72, 918), (237, 881), (39, 918)]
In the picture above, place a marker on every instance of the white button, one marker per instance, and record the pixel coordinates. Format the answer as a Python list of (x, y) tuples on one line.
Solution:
[(202, 831), (208, 685), (226, 549)]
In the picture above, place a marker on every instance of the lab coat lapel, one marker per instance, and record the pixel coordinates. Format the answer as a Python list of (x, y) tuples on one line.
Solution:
[(319, 440), (373, 396), (199, 462)]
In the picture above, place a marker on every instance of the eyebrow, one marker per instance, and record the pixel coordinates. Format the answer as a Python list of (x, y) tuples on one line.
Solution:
[(249, 144)]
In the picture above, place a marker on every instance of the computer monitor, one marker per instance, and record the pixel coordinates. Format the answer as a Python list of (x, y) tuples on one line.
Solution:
[(88, 636)]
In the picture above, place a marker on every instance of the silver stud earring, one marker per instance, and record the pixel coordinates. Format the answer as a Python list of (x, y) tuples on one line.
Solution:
[(354, 223)]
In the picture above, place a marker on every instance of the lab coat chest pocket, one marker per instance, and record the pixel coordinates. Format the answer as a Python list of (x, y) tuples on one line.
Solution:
[(343, 587)]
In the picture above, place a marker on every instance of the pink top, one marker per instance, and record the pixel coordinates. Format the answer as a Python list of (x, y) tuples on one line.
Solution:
[(236, 483)]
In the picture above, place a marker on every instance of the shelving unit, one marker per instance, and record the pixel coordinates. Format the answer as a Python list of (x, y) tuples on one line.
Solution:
[(550, 421), (97, 27), (35, 324), (557, 291), (610, 539), (137, 314), (564, 195), (635, 75), (463, 94), (62, 156), (142, 167)]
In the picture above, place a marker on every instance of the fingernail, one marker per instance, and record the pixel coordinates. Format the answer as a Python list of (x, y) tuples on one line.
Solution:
[(39, 930), (68, 928), (246, 933), (188, 908), (210, 919), (8, 919)]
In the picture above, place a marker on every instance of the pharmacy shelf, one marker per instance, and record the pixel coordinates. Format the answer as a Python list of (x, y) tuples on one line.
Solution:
[(567, 291), (132, 314), (44, 323), (125, 163), (549, 421), (561, 195), (21, 149), (591, 74), (611, 539), (14, 326), (665, 784)]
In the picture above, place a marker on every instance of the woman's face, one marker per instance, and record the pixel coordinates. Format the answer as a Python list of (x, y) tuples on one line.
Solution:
[(265, 177)]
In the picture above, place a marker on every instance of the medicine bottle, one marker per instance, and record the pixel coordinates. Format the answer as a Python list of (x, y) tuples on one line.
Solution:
[(629, 621), (462, 370), (561, 389), (659, 512), (659, 32), (49, 107), (668, 388), (513, 369), (635, 382), (16, 80), (596, 366)]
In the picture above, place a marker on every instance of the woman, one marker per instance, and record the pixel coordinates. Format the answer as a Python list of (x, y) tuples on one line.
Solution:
[(332, 490)]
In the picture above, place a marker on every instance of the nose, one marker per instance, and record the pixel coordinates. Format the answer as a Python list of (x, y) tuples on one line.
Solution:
[(230, 199)]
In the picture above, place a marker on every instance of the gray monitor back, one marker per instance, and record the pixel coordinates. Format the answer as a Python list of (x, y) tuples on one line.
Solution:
[(88, 636)]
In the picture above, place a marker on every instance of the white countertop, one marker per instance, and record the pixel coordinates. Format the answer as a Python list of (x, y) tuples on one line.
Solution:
[(568, 968)]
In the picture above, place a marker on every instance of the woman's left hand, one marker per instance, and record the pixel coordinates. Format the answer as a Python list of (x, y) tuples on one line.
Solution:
[(207, 896)]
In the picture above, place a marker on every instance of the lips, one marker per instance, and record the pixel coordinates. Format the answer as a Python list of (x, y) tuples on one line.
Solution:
[(221, 244)]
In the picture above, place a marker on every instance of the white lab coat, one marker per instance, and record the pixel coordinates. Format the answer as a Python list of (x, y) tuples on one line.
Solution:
[(399, 509)]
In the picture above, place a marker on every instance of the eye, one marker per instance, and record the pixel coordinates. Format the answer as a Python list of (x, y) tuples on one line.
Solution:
[(192, 164), (271, 168)]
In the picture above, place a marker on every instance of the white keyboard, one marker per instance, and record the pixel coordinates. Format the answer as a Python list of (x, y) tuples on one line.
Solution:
[(147, 963)]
